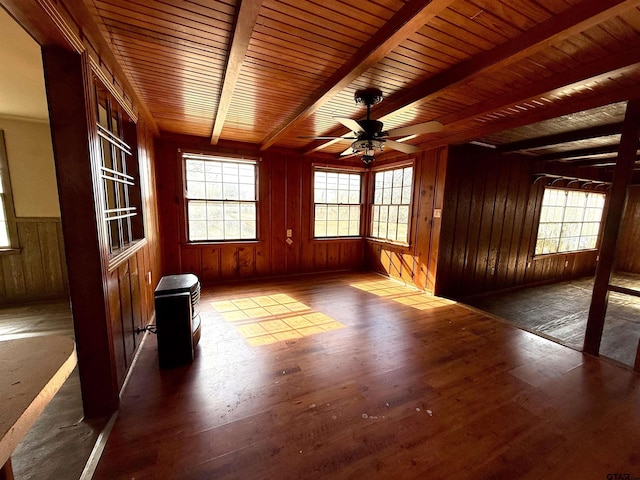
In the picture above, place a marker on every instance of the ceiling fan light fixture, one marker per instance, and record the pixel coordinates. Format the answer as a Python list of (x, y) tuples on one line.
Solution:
[(368, 146)]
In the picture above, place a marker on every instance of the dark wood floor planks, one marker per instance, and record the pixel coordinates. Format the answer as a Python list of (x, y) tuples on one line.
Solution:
[(433, 390)]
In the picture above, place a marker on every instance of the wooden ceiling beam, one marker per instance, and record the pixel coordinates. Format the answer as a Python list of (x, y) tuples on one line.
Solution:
[(559, 138), (580, 153), (600, 70), (245, 22), (574, 106), (559, 27), (410, 18)]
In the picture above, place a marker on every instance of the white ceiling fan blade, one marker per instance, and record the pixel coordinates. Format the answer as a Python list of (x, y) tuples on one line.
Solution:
[(351, 124), (348, 151), (418, 129), (401, 147)]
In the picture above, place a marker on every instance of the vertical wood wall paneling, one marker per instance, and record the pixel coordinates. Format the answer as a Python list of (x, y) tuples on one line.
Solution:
[(433, 254), (293, 209), (416, 263), (264, 254), (628, 252), (500, 221), (37, 271), (424, 196), (479, 173), (284, 202), (278, 209), (117, 329), (491, 215), (124, 279)]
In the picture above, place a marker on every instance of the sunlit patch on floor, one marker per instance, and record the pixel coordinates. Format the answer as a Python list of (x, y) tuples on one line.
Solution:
[(274, 318), (399, 293)]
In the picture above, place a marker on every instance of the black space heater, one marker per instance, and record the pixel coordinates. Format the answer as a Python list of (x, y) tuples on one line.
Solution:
[(177, 302)]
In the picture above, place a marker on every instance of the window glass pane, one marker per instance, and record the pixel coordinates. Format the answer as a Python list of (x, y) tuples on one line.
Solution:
[(247, 229), (392, 199), (215, 231), (569, 220), (4, 234), (227, 189), (197, 230), (336, 199), (196, 189), (231, 229)]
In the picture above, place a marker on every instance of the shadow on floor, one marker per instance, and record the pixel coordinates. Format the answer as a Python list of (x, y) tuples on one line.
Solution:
[(559, 311)]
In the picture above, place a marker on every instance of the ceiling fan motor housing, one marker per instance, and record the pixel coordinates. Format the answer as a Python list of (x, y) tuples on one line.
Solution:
[(368, 96), (372, 128)]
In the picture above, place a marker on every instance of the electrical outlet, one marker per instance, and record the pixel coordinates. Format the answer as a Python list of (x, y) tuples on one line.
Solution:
[(289, 233)]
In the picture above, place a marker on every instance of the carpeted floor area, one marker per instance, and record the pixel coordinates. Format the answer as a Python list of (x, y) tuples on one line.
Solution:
[(59, 444)]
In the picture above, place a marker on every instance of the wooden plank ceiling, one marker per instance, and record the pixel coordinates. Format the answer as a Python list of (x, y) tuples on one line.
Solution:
[(267, 72)]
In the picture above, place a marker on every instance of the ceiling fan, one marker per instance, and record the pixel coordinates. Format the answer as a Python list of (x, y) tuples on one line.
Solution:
[(368, 137)]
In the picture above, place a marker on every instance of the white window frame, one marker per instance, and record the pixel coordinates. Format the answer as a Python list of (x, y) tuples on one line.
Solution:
[(339, 199), (570, 221), (391, 202), (9, 233), (228, 210)]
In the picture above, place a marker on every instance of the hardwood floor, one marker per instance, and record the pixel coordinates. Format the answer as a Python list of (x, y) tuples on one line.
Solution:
[(398, 385), (58, 445), (560, 311)]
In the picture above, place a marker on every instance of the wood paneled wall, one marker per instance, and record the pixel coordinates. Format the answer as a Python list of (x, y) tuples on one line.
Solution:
[(628, 252), (416, 263), (132, 280), (489, 226), (285, 202), (37, 270)]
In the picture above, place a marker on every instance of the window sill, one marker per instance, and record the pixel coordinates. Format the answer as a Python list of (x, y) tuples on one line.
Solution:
[(10, 251), (388, 242), (541, 256), (213, 243), (122, 256), (337, 239)]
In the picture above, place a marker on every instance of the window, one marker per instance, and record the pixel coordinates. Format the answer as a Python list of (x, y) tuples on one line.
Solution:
[(221, 197), (337, 204), (119, 172), (391, 207), (569, 221), (8, 232)]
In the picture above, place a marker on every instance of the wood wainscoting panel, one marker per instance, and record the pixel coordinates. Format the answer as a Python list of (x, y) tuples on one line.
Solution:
[(37, 270)]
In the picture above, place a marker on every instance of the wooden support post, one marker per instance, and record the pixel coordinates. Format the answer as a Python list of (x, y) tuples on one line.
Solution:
[(69, 94), (617, 199)]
